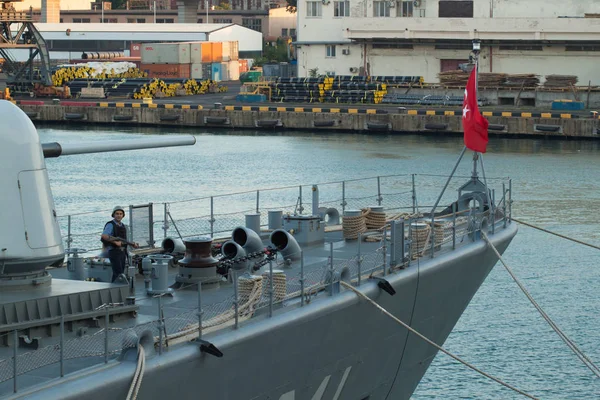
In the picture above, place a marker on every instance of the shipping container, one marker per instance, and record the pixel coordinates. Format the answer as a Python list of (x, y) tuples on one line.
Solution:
[(196, 72), (234, 50), (234, 70), (206, 71), (135, 50), (216, 71), (225, 70), (226, 51), (166, 70), (206, 51), (166, 53), (195, 52), (243, 66), (217, 51)]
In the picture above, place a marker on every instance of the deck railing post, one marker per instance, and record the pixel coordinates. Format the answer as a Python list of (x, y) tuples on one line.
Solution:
[(503, 204), (166, 220), (106, 317), (384, 247), (199, 311), (258, 201), (379, 198), (493, 219), (270, 288), (236, 298), (69, 237), (62, 345), (301, 278), (359, 258), (15, 350), (331, 277), (300, 208), (160, 326), (212, 217), (510, 200), (453, 226), (414, 195), (343, 196)]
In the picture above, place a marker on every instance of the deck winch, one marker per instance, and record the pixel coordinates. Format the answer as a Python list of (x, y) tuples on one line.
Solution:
[(197, 265)]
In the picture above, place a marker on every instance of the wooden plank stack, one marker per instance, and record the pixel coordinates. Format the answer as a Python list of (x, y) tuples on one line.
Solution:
[(560, 81), (459, 78), (522, 80)]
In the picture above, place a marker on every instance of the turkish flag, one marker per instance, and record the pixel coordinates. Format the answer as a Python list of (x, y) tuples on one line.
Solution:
[(475, 127)]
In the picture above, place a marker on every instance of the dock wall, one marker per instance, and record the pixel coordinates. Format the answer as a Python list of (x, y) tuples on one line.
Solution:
[(313, 118)]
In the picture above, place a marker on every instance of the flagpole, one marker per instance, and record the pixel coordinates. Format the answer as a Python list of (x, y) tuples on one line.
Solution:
[(476, 49)]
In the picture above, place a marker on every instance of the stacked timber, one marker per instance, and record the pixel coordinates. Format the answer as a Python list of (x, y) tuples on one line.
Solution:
[(560, 80), (522, 80), (459, 78)]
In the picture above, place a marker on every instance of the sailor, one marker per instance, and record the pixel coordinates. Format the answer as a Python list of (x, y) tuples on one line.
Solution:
[(117, 249)]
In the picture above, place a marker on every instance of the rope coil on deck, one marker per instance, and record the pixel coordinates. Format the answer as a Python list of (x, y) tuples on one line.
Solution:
[(352, 226), (279, 284), (374, 219)]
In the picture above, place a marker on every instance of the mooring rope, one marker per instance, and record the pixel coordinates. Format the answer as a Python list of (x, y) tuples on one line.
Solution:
[(556, 234), (136, 383), (352, 226), (440, 348), (580, 354)]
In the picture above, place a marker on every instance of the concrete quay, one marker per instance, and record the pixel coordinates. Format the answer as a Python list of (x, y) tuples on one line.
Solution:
[(322, 117)]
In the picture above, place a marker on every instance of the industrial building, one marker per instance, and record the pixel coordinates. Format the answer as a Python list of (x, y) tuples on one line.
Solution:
[(69, 40), (426, 37)]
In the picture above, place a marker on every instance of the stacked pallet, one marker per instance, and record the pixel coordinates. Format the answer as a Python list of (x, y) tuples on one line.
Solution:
[(560, 80)]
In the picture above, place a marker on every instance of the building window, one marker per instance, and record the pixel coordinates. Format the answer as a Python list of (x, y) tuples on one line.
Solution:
[(252, 23), (109, 20), (199, 20), (141, 20), (165, 21), (284, 32), (341, 8), (522, 47), (313, 8), (381, 8), (455, 9), (405, 9), (130, 21), (330, 50), (292, 32), (581, 48), (222, 20), (384, 45), (81, 20)]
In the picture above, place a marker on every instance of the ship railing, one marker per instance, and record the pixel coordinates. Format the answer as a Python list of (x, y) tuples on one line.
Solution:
[(218, 215), (266, 294)]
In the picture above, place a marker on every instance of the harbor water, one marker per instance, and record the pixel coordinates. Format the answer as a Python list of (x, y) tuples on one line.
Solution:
[(556, 185)]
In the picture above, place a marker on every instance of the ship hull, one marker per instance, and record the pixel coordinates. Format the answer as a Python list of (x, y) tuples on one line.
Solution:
[(335, 347)]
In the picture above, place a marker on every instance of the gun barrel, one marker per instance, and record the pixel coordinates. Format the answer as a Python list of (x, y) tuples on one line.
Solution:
[(55, 149)]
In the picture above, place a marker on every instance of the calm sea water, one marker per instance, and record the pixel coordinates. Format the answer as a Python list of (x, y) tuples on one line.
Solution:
[(556, 185)]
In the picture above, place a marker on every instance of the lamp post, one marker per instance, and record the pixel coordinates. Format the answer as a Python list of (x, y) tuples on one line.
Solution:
[(476, 51)]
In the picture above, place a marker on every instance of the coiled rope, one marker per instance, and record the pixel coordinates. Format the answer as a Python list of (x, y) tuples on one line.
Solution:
[(360, 294), (352, 226), (138, 375), (374, 219), (582, 356)]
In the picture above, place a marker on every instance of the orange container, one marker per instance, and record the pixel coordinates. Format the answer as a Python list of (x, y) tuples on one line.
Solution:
[(166, 70), (217, 51), (243, 66), (206, 52)]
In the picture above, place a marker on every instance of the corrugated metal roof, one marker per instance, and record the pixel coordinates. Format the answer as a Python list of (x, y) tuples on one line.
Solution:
[(134, 28)]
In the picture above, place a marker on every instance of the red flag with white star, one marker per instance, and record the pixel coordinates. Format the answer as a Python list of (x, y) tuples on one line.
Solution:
[(475, 127)]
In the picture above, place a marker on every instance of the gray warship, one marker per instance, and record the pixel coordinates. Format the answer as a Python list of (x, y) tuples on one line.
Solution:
[(236, 301)]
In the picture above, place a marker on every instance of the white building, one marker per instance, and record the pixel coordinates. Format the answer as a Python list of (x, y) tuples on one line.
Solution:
[(425, 37)]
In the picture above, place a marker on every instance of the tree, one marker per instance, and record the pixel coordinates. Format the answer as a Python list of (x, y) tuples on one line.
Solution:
[(116, 4), (292, 6)]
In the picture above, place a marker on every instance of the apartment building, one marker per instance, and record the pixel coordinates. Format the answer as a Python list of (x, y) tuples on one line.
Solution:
[(425, 37)]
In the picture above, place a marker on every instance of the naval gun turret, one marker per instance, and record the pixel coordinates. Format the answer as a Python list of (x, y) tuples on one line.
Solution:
[(30, 238)]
